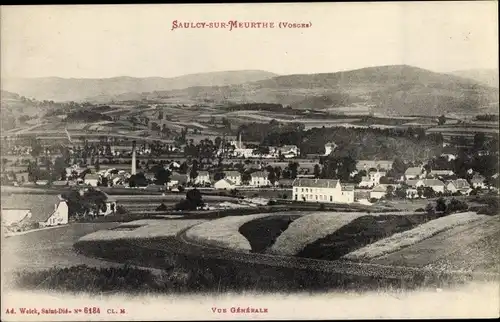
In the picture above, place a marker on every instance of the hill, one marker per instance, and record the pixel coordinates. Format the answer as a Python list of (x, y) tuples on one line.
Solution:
[(395, 89), (487, 77), (79, 89)]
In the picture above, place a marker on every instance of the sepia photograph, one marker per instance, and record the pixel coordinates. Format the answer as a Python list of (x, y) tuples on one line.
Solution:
[(259, 161)]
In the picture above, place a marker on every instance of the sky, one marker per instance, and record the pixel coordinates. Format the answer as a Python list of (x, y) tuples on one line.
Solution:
[(103, 41)]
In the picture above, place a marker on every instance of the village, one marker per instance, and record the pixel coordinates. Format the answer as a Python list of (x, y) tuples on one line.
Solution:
[(260, 174)]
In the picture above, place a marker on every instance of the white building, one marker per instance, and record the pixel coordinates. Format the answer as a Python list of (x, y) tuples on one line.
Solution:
[(379, 191), (477, 181), (436, 185), (91, 179), (321, 190), (260, 179), (28, 209), (233, 176), (202, 178), (224, 184), (329, 148), (372, 179), (413, 173)]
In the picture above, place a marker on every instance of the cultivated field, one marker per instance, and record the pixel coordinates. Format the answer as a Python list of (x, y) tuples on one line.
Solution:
[(413, 236), (142, 229)]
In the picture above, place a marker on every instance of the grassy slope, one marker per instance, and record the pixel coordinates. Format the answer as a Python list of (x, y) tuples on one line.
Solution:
[(262, 232), (360, 232), (413, 236)]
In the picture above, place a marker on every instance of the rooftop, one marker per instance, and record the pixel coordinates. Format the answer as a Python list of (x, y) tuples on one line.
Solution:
[(42, 206), (320, 183)]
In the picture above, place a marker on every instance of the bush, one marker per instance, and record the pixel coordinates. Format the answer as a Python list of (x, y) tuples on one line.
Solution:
[(420, 210), (429, 208), (373, 200), (441, 205), (456, 206), (322, 207), (161, 207)]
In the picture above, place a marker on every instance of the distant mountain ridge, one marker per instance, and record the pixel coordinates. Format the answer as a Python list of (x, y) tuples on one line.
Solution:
[(79, 89), (484, 76), (392, 89)]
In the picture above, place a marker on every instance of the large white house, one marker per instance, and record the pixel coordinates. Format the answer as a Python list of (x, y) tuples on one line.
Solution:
[(202, 178), (260, 179), (321, 190)]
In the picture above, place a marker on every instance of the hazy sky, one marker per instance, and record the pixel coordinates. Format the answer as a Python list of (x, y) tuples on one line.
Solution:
[(137, 40)]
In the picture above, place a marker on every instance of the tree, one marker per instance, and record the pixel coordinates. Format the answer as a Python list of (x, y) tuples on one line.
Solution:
[(193, 174), (429, 192), (162, 175), (429, 208), (36, 149), (442, 120), (317, 171), (162, 207), (246, 177), (294, 168), (193, 201), (457, 206), (441, 205), (389, 192), (219, 175), (272, 177), (400, 192), (138, 180)]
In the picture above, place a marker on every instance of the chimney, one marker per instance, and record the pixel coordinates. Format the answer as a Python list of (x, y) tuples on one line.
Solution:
[(133, 170), (240, 145)]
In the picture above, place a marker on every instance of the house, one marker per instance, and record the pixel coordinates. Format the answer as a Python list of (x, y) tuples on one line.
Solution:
[(260, 179), (42, 182), (372, 179), (179, 178), (233, 176), (459, 185), (202, 178), (477, 181), (449, 156), (110, 205), (379, 191), (35, 210), (329, 148), (436, 185), (288, 151), (321, 190), (376, 164), (91, 179), (440, 173), (224, 184), (413, 173), (414, 183), (411, 193)]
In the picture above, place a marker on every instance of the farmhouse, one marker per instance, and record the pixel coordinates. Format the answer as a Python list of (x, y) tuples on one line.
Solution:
[(29, 211), (233, 176), (436, 185), (224, 184), (372, 179), (329, 148), (440, 173), (377, 164), (260, 179), (460, 185), (288, 151), (321, 190), (477, 181), (202, 178), (91, 179), (379, 191), (413, 173)]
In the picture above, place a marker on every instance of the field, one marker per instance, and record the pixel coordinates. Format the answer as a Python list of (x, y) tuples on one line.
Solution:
[(411, 237), (48, 248)]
